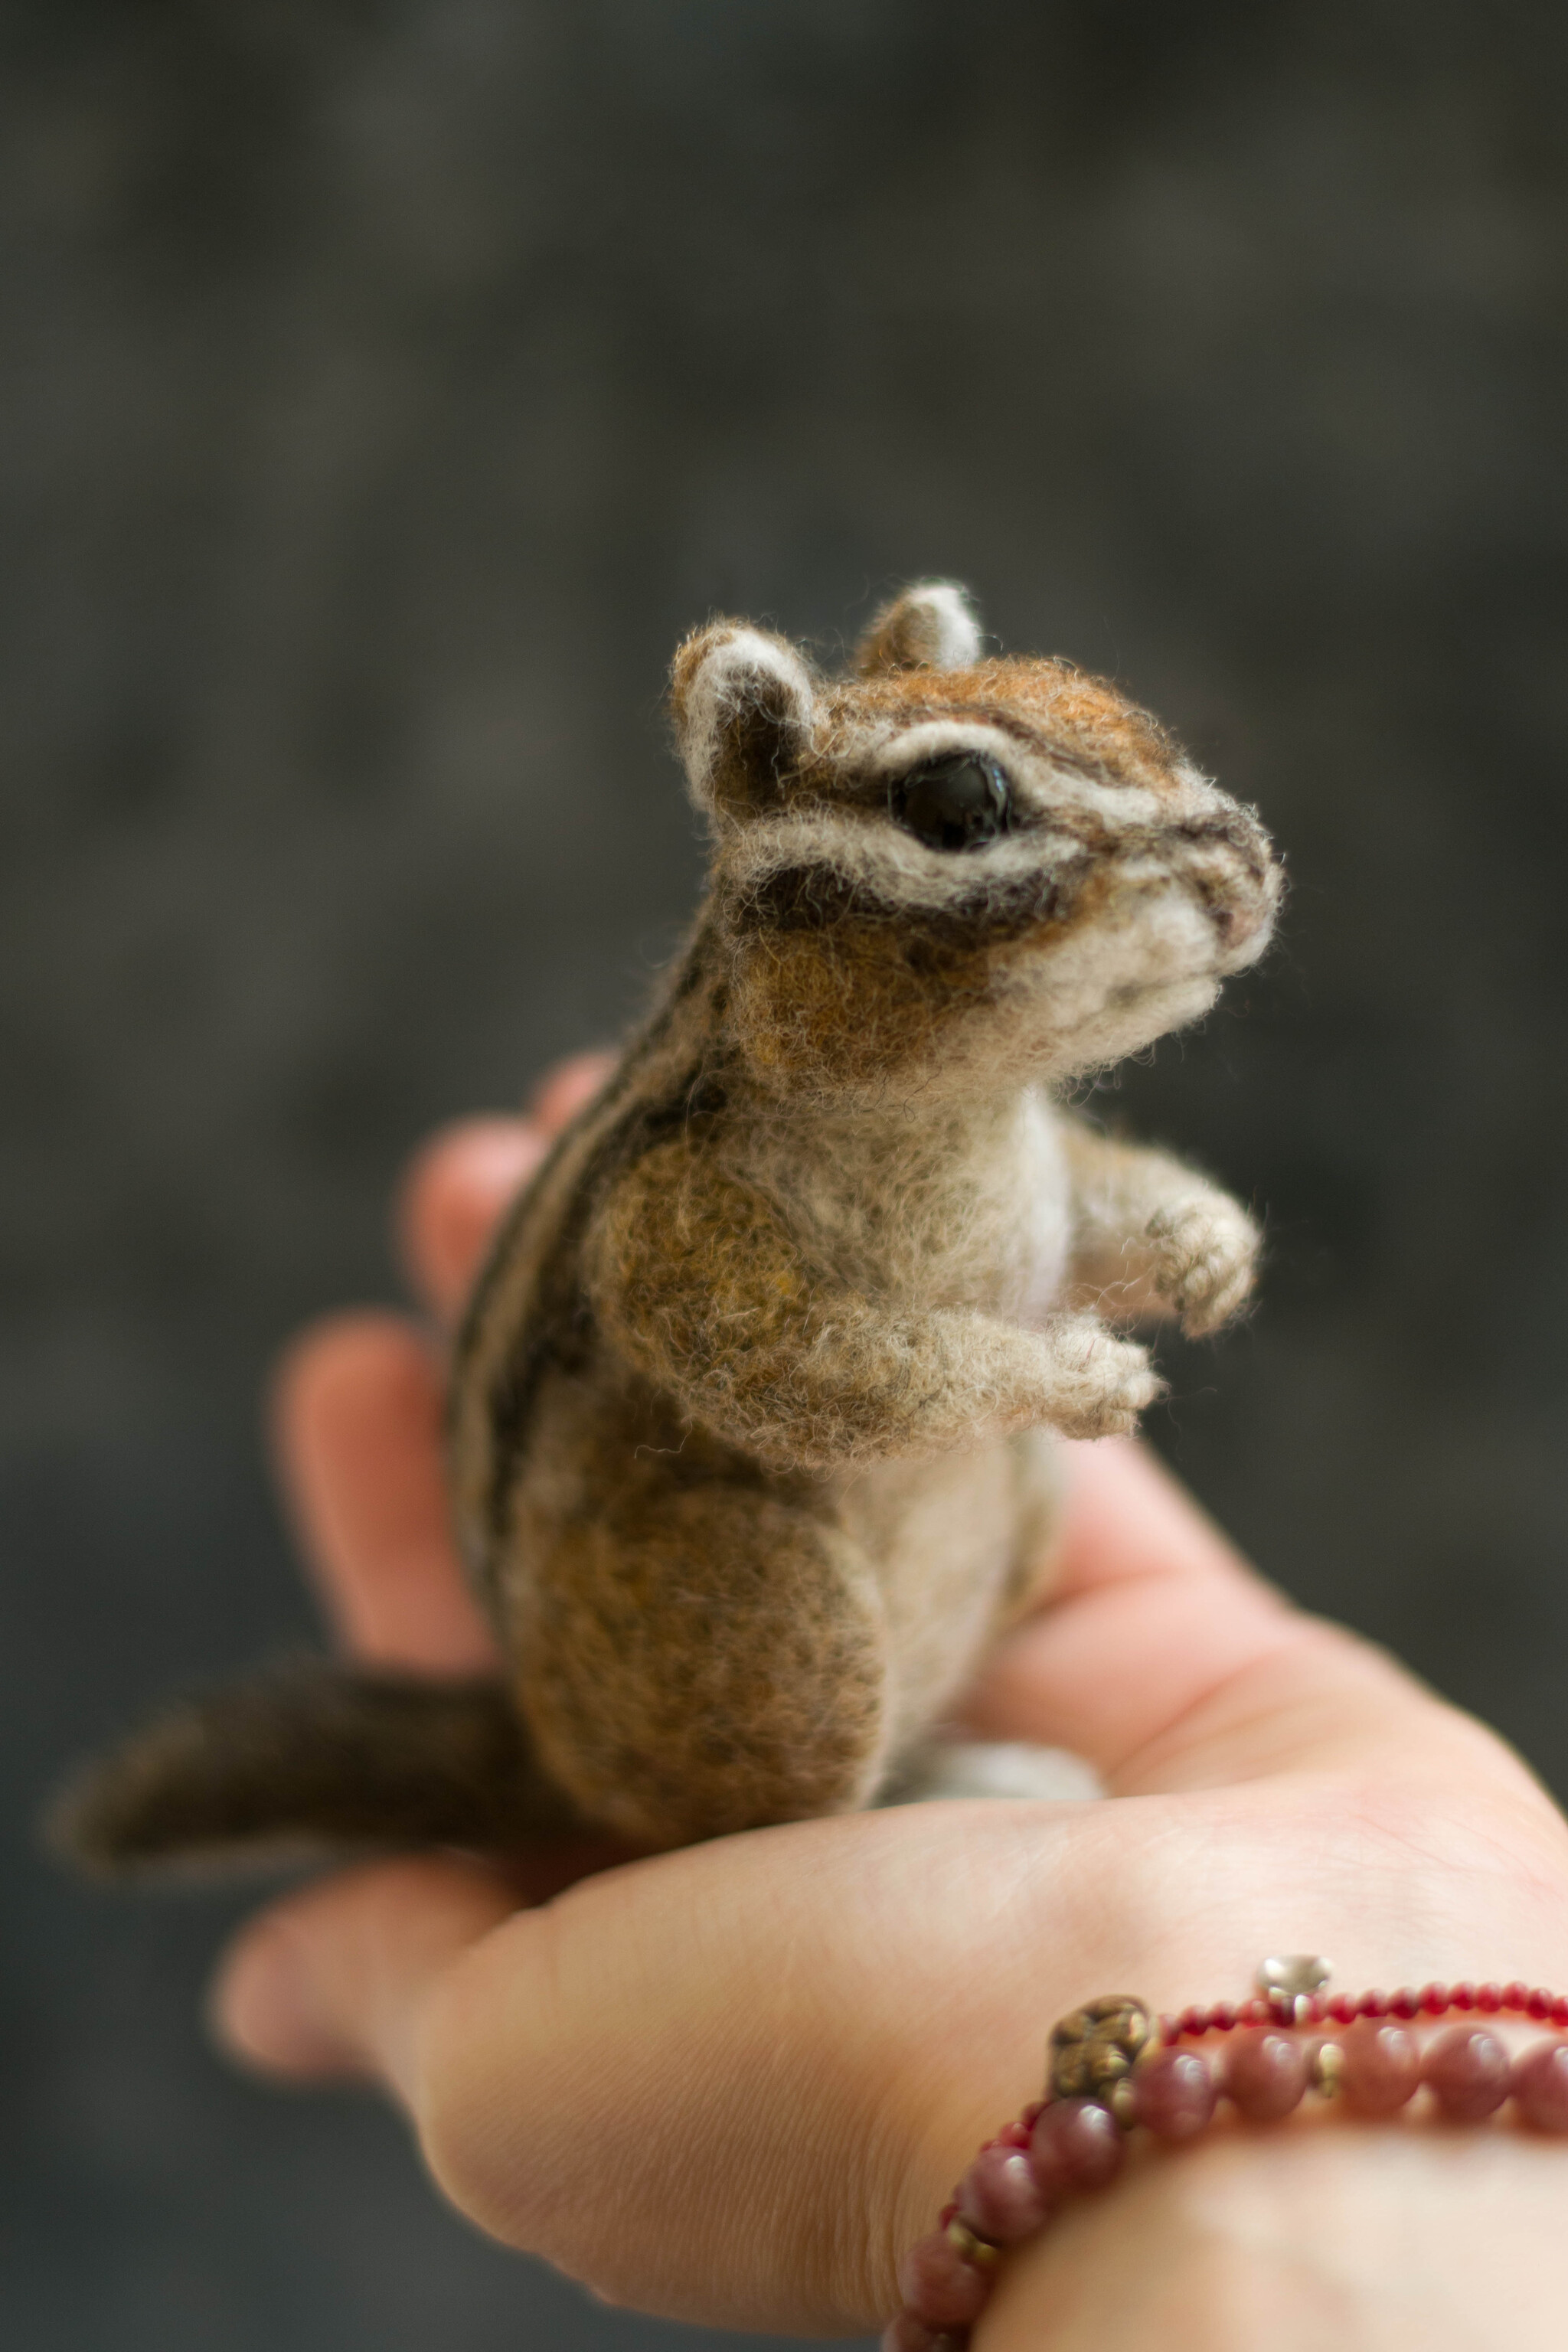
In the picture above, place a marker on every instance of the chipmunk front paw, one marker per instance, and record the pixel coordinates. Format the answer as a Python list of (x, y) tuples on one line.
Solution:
[(1097, 1385), (1204, 1259)]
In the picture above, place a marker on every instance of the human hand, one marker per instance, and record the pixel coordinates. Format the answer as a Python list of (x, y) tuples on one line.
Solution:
[(731, 2083)]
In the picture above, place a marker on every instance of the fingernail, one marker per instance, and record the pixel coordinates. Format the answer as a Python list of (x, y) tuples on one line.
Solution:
[(562, 1091), (502, 1155)]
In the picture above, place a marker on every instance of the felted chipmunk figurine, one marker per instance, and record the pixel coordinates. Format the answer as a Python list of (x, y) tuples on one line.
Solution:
[(750, 1415)]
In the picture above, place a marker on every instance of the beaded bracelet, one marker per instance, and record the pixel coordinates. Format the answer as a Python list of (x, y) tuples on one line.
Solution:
[(1113, 2066)]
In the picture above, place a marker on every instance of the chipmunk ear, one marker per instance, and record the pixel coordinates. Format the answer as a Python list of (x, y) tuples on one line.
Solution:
[(932, 626), (743, 701)]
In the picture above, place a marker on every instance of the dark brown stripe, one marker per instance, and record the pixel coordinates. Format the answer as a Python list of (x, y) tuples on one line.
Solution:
[(688, 975), (821, 898), (557, 1331)]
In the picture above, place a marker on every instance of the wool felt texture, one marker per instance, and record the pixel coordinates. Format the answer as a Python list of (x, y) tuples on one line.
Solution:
[(752, 1412)]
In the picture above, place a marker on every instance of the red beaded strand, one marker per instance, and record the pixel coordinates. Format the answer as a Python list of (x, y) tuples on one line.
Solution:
[(1061, 2146)]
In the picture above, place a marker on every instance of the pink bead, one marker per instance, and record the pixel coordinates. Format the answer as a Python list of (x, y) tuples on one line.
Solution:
[(1194, 2019), (1381, 2068), (1462, 1995), (1343, 2008), (1405, 2003), (1266, 2076), (1373, 2004), (1077, 2145), (1433, 1999), (1541, 2086), (1488, 1997), (908, 2333), (1539, 2002), (1557, 2012), (1469, 2071), (1173, 2093), (1014, 2134), (1260, 2012), (938, 2286), (1516, 1995), (1000, 2198), (1222, 2016)]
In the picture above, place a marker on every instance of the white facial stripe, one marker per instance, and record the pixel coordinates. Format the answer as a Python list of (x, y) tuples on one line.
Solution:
[(939, 737), (1041, 783)]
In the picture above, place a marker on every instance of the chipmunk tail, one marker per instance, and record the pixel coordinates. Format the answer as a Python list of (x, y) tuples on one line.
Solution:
[(308, 1759)]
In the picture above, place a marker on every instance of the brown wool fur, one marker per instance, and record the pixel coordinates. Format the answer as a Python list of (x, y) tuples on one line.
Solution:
[(752, 1413)]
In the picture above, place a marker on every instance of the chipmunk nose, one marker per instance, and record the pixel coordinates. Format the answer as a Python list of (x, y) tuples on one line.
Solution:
[(1230, 865)]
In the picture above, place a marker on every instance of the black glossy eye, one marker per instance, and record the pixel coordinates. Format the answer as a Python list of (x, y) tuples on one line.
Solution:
[(957, 802)]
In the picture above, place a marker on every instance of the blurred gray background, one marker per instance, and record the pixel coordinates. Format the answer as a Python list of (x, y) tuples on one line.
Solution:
[(386, 388)]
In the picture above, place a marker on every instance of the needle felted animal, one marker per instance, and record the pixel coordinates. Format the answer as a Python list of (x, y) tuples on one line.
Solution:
[(752, 1413)]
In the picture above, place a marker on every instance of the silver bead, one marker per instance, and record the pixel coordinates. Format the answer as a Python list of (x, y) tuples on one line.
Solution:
[(1293, 1975)]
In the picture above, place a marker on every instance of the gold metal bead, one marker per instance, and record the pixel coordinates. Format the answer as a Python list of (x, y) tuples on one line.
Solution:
[(1092, 2049), (1121, 2105), (1327, 2064), (978, 2250)]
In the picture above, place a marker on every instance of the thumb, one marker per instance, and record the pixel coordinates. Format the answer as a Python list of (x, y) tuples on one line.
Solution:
[(1169, 1664)]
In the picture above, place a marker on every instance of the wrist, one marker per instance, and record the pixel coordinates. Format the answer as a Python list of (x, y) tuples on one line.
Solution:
[(1372, 2237), (1293, 2217)]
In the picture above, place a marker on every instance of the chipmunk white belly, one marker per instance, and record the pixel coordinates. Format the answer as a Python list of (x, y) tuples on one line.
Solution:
[(1045, 1197), (970, 1210)]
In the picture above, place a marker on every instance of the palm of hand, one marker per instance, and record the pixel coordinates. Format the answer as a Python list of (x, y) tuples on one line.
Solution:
[(730, 2083)]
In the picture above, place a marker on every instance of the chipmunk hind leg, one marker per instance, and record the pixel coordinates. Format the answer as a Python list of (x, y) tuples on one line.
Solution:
[(311, 1756), (703, 1658)]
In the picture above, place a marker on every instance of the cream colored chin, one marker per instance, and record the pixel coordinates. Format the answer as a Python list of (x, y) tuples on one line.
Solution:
[(1034, 1045), (1109, 991), (1152, 1011)]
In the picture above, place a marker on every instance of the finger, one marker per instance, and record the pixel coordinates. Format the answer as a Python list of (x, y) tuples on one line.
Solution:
[(1159, 1645), (463, 1180), (333, 1980), (1128, 1519), (568, 1088), (356, 1419), (459, 1187)]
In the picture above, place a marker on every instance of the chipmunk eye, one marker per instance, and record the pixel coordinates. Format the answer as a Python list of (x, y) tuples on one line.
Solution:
[(958, 802)]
